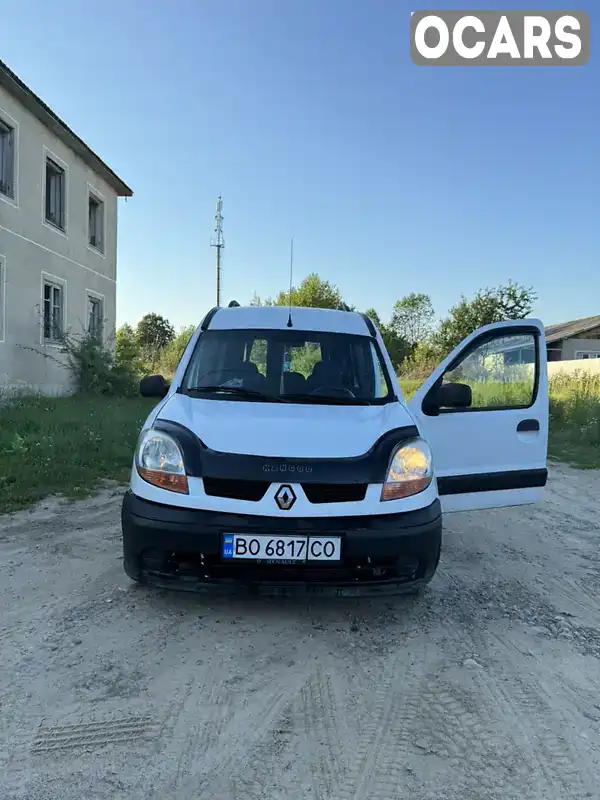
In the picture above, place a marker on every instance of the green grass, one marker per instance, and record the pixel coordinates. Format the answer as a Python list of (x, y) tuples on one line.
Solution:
[(575, 420), (65, 445)]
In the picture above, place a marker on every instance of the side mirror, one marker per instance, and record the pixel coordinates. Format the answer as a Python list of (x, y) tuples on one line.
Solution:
[(448, 395), (154, 386), (454, 395)]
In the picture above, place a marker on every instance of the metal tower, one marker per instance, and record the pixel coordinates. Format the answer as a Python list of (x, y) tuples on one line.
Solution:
[(219, 242)]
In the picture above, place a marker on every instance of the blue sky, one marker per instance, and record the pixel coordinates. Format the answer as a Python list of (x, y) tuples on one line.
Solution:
[(311, 120)]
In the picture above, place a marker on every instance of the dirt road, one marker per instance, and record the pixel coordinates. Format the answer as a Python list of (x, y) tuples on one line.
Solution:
[(486, 687)]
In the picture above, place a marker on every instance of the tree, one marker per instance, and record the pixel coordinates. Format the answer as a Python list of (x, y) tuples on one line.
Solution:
[(154, 332), (412, 318), (171, 354), (397, 347), (256, 301), (370, 312), (497, 304), (128, 352), (313, 292)]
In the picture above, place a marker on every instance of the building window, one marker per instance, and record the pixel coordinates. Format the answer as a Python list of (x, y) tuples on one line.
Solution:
[(583, 354), (7, 160), (53, 312), (95, 317), (55, 194), (96, 222), (2, 298)]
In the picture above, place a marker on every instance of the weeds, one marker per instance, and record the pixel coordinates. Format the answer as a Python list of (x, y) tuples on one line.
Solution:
[(575, 419)]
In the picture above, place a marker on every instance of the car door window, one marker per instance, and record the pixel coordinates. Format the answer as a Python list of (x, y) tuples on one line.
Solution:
[(501, 372)]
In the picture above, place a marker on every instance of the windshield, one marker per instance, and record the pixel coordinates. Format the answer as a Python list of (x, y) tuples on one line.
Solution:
[(287, 366)]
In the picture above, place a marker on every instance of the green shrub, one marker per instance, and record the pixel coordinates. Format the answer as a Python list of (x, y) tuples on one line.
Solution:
[(170, 356), (93, 366)]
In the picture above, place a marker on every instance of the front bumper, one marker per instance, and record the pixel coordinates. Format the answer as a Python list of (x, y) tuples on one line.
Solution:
[(180, 548)]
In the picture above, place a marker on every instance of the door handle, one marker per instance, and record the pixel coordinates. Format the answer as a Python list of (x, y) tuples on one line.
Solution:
[(528, 425)]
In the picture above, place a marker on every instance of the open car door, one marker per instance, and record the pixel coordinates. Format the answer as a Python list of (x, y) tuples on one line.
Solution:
[(484, 412)]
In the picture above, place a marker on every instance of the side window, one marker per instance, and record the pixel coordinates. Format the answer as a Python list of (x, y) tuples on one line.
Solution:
[(501, 372), (258, 355)]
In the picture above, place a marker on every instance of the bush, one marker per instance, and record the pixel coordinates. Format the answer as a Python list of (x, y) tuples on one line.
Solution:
[(93, 366), (170, 356), (128, 352)]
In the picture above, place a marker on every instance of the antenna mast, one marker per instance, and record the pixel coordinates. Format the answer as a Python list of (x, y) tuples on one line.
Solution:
[(289, 322), (219, 242)]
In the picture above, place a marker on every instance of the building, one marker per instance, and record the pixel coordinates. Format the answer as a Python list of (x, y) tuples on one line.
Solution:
[(58, 240), (578, 339)]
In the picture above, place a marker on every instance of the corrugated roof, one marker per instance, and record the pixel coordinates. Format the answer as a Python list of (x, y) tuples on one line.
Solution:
[(60, 129), (564, 330)]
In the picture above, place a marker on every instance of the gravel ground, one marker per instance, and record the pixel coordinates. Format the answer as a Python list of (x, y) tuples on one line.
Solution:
[(488, 686)]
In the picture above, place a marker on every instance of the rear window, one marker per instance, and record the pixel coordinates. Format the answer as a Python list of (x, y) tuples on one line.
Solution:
[(302, 366)]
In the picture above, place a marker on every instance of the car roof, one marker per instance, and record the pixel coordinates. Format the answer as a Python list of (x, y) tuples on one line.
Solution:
[(276, 318)]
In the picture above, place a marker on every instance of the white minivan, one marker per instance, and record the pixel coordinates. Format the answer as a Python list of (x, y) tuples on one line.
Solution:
[(284, 455)]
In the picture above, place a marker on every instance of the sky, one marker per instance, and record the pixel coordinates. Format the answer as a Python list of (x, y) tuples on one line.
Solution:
[(312, 122)]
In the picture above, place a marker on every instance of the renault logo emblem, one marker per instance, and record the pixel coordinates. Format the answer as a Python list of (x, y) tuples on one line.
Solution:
[(285, 497)]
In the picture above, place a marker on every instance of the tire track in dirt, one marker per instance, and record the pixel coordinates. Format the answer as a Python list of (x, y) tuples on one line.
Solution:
[(326, 729), (553, 766), (554, 760)]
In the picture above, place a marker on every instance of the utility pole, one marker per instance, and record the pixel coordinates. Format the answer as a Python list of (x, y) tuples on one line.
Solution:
[(219, 242)]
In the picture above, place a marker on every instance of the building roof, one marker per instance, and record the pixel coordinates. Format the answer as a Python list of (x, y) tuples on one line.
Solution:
[(22, 93), (276, 318), (564, 330)]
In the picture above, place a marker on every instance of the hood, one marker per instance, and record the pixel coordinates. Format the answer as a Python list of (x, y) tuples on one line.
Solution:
[(283, 430)]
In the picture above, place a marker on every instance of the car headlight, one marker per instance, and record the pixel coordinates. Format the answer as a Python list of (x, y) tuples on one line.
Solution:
[(159, 461), (410, 470)]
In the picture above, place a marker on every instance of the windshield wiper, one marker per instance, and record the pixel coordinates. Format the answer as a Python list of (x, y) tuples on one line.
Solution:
[(238, 390), (328, 399)]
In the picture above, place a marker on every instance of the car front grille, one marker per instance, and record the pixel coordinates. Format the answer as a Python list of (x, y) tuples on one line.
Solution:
[(334, 492), (235, 490), (317, 493)]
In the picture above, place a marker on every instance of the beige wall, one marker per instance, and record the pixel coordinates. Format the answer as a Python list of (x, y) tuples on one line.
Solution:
[(571, 346), (29, 247), (589, 366)]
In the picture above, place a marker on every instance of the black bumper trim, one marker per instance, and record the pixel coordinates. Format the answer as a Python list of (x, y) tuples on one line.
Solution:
[(492, 481)]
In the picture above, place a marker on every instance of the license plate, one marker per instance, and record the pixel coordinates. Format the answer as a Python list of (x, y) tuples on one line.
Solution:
[(282, 548)]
